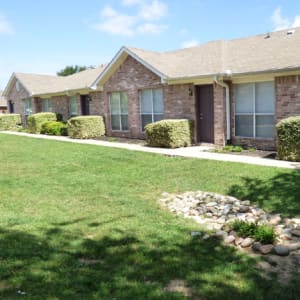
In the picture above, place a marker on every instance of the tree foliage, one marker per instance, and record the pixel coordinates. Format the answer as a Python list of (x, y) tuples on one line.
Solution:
[(69, 70)]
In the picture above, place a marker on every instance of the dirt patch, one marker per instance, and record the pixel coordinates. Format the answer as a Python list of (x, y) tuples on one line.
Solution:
[(179, 286)]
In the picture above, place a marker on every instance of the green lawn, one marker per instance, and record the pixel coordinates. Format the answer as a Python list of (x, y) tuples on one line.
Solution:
[(83, 222)]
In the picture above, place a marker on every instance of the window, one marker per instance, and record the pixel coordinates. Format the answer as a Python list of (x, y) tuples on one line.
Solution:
[(27, 107), (152, 106), (254, 109), (119, 111), (46, 105), (73, 107)]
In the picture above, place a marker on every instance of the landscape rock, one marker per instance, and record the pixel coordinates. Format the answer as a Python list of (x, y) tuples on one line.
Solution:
[(229, 239), (266, 249), (295, 232), (281, 250), (247, 242), (256, 246), (217, 211), (297, 259)]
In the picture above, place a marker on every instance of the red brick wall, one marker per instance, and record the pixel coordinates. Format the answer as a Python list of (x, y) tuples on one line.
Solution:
[(17, 98), (219, 115), (132, 77), (287, 97)]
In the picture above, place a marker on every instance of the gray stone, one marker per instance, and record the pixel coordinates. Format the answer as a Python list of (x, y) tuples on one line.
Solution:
[(247, 242), (256, 246), (196, 233), (266, 249), (244, 208), (206, 236), (295, 232), (229, 239), (275, 219), (246, 202), (297, 259), (274, 260), (294, 246), (281, 250), (221, 234), (210, 204), (238, 241)]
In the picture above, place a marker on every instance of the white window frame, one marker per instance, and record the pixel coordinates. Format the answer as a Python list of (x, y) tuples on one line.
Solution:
[(120, 114), (152, 105), (47, 103), (254, 114)]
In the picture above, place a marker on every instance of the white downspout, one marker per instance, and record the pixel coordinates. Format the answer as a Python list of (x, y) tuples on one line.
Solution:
[(226, 86)]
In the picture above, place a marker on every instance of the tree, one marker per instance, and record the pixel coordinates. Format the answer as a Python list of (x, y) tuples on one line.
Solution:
[(69, 70)]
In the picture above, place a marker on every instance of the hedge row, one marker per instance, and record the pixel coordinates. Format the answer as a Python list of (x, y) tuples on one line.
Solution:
[(170, 133), (288, 139), (84, 127), (35, 121), (10, 122)]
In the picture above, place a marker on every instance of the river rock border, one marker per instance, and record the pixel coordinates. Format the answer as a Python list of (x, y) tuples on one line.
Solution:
[(215, 211)]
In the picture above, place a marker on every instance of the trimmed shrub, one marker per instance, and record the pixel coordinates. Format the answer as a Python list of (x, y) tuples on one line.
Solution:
[(288, 139), (170, 133), (10, 122), (35, 121), (54, 128), (84, 127)]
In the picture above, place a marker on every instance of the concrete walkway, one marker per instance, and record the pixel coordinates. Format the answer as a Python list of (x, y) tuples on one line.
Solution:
[(192, 152)]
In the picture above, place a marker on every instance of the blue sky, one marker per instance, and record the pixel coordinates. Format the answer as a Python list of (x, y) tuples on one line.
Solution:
[(46, 35)]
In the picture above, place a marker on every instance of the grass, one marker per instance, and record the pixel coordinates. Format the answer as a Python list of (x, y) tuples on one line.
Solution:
[(83, 222)]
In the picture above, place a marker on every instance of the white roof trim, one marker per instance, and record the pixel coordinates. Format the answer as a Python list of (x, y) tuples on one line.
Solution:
[(136, 57)]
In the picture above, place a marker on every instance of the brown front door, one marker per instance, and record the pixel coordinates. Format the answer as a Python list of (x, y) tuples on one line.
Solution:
[(205, 114), (85, 105)]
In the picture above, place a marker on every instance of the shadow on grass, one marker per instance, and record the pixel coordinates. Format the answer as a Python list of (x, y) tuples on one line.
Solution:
[(58, 265), (280, 194)]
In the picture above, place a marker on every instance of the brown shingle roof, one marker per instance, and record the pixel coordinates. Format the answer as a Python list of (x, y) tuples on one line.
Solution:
[(37, 84), (259, 53)]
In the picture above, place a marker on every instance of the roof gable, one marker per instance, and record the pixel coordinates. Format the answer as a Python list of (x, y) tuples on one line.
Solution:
[(118, 60), (38, 84)]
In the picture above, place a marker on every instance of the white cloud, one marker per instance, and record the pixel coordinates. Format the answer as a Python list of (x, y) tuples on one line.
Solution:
[(146, 20), (189, 44), (150, 28), (296, 22), (5, 26), (116, 23), (153, 11), (280, 22)]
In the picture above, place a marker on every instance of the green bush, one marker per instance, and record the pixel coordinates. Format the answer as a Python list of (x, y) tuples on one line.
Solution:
[(10, 122), (261, 233), (35, 121), (54, 128), (170, 133), (288, 139), (264, 234), (243, 229), (84, 127)]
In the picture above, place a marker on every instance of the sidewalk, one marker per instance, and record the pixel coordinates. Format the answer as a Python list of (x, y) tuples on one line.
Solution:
[(192, 152)]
